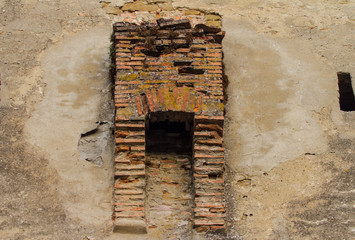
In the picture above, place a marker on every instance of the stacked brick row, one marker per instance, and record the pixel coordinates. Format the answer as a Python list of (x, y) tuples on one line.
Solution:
[(130, 181), (169, 65), (208, 174)]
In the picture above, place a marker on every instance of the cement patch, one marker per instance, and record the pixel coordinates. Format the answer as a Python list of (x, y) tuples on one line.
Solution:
[(76, 75), (272, 93)]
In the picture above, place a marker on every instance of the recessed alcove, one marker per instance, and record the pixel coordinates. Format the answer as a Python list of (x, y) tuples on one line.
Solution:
[(169, 132)]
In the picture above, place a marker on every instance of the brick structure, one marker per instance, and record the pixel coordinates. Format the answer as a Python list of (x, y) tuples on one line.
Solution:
[(169, 65)]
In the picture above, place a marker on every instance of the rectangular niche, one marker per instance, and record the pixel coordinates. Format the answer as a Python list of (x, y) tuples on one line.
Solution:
[(169, 132)]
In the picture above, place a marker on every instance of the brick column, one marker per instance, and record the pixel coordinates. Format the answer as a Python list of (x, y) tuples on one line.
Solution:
[(171, 64), (130, 173), (209, 174)]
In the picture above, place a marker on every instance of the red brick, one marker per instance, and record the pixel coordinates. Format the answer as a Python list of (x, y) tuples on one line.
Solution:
[(183, 50), (204, 148), (214, 210), (130, 173), (136, 155), (215, 127), (211, 142), (186, 98), (209, 194), (198, 104), (122, 45), (129, 134), (150, 100), (139, 106), (123, 100), (200, 175), (129, 192), (155, 100), (121, 54), (137, 148), (126, 198), (130, 125), (210, 215), (128, 82), (121, 105), (214, 71), (131, 141), (208, 156), (129, 167), (124, 68), (122, 149), (213, 54), (131, 215), (120, 160), (199, 222), (215, 63), (135, 203), (137, 58), (129, 209), (122, 59), (209, 205)]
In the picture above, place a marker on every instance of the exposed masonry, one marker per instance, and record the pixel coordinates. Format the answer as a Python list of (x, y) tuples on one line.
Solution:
[(169, 63)]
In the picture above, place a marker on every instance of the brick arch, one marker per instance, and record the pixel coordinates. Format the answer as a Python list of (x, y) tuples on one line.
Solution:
[(179, 99)]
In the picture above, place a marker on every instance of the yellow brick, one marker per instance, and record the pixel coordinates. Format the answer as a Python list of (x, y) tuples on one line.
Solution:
[(192, 12), (212, 17), (216, 24)]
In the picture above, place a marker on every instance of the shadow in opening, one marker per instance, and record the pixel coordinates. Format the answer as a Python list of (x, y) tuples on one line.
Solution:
[(346, 92), (169, 132)]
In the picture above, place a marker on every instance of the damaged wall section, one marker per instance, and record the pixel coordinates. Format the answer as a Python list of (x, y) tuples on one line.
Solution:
[(170, 63)]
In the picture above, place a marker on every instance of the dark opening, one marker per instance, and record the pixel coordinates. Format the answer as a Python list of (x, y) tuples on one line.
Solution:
[(190, 70), (182, 63), (346, 93), (169, 132)]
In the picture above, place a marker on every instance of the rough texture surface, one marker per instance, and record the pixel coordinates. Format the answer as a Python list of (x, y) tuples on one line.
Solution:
[(164, 69), (290, 150)]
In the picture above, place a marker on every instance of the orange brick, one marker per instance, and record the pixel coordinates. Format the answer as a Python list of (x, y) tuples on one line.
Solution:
[(122, 149)]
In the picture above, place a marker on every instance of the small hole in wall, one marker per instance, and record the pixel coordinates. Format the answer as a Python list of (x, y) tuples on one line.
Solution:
[(346, 93), (182, 63), (190, 70)]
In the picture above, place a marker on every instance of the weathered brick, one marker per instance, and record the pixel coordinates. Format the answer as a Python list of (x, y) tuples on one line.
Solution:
[(207, 205), (211, 142), (129, 215), (199, 222), (208, 156), (129, 167), (129, 141), (137, 148), (209, 215), (183, 50), (133, 203), (205, 148), (129, 192), (128, 209), (122, 149), (130, 173), (130, 125)]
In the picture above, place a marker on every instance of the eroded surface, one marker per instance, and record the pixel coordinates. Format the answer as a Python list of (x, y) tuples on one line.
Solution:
[(169, 196)]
